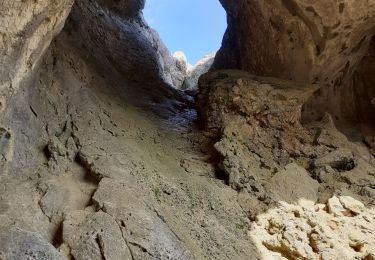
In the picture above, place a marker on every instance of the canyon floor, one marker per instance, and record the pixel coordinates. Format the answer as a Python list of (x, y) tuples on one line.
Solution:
[(121, 178)]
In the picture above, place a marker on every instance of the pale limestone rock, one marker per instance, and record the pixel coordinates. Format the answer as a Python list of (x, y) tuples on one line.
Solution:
[(26, 30), (352, 204), (181, 61), (309, 232), (194, 72), (323, 41), (335, 207)]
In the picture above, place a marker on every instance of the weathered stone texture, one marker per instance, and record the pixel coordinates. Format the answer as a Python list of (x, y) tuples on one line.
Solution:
[(303, 40), (115, 32), (26, 30)]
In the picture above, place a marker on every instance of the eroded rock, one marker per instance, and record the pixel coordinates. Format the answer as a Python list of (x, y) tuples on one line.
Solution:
[(96, 109), (265, 149), (308, 231), (308, 41), (340, 159), (20, 244), (259, 115), (125, 41), (194, 72), (148, 237), (95, 236), (26, 30), (293, 182)]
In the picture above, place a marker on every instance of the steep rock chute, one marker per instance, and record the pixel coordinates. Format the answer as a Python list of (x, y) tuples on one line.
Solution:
[(99, 155)]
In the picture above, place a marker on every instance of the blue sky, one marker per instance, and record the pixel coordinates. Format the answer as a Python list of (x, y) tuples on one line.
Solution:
[(195, 27)]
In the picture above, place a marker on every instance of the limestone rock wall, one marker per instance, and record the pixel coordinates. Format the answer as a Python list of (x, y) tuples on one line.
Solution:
[(364, 82), (114, 32), (303, 40), (26, 30), (194, 72), (263, 149)]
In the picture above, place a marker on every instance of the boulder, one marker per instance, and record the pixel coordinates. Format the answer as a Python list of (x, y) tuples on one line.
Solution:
[(335, 207), (341, 159), (292, 184), (261, 114)]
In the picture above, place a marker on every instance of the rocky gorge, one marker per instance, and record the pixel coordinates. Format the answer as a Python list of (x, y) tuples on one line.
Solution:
[(104, 155)]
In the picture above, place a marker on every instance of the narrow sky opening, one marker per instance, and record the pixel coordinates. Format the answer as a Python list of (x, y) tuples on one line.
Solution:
[(195, 27)]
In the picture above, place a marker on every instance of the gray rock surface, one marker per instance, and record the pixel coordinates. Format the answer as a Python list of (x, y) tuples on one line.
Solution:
[(147, 235), (194, 72), (100, 158), (17, 244), (124, 40), (341, 159), (26, 30), (98, 170), (95, 236)]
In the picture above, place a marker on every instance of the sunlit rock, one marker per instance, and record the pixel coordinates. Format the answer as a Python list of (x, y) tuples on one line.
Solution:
[(308, 41)]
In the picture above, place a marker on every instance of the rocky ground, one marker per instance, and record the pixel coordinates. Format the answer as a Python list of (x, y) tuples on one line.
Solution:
[(101, 158), (123, 178), (308, 189)]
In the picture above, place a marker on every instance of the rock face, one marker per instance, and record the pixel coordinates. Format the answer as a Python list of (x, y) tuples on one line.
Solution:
[(194, 72), (123, 39), (258, 124), (26, 30), (20, 244), (179, 69), (94, 169), (311, 42), (264, 114), (293, 182), (185, 75), (266, 153), (100, 158)]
